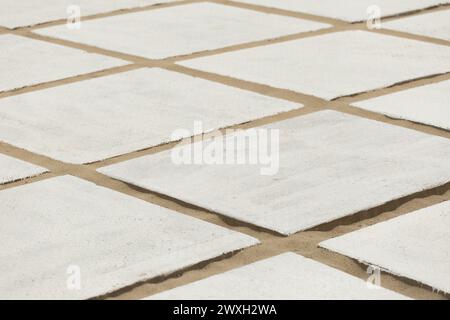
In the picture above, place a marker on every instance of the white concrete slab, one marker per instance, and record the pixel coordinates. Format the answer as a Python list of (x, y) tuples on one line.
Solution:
[(27, 62), (197, 27), (427, 104), (348, 10), (31, 12), (414, 245), (125, 112), (434, 24), (56, 229), (288, 276), (12, 169), (309, 65), (331, 165)]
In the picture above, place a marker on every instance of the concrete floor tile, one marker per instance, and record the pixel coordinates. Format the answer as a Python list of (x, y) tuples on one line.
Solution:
[(55, 230), (31, 12), (348, 10), (288, 276), (12, 169), (27, 62), (331, 165), (414, 245), (125, 112), (434, 24), (428, 104), (69, 234), (309, 65), (200, 26)]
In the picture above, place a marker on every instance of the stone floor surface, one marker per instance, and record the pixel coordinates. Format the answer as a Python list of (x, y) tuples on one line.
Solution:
[(97, 98)]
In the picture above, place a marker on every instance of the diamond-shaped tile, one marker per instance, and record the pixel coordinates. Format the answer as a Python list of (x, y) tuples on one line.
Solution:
[(181, 30), (286, 276), (30, 12), (349, 10), (414, 245), (12, 169), (428, 104), (434, 24), (66, 238), (332, 65), (329, 165), (27, 62), (104, 117)]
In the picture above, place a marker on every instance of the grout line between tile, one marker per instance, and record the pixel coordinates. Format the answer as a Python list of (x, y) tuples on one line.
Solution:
[(150, 7), (305, 242)]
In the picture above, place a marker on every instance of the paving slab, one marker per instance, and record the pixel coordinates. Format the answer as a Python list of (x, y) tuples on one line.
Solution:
[(27, 62), (66, 238), (31, 12), (433, 24), (348, 10), (288, 276), (125, 112), (12, 169), (309, 65), (414, 245), (330, 165), (427, 104), (198, 27)]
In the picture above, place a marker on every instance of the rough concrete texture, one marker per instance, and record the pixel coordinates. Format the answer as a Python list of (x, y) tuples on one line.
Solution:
[(125, 112), (428, 104), (327, 170), (31, 12), (287, 276), (30, 62), (14, 169), (414, 246), (349, 10), (309, 65), (55, 230), (380, 62), (435, 25), (201, 26)]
